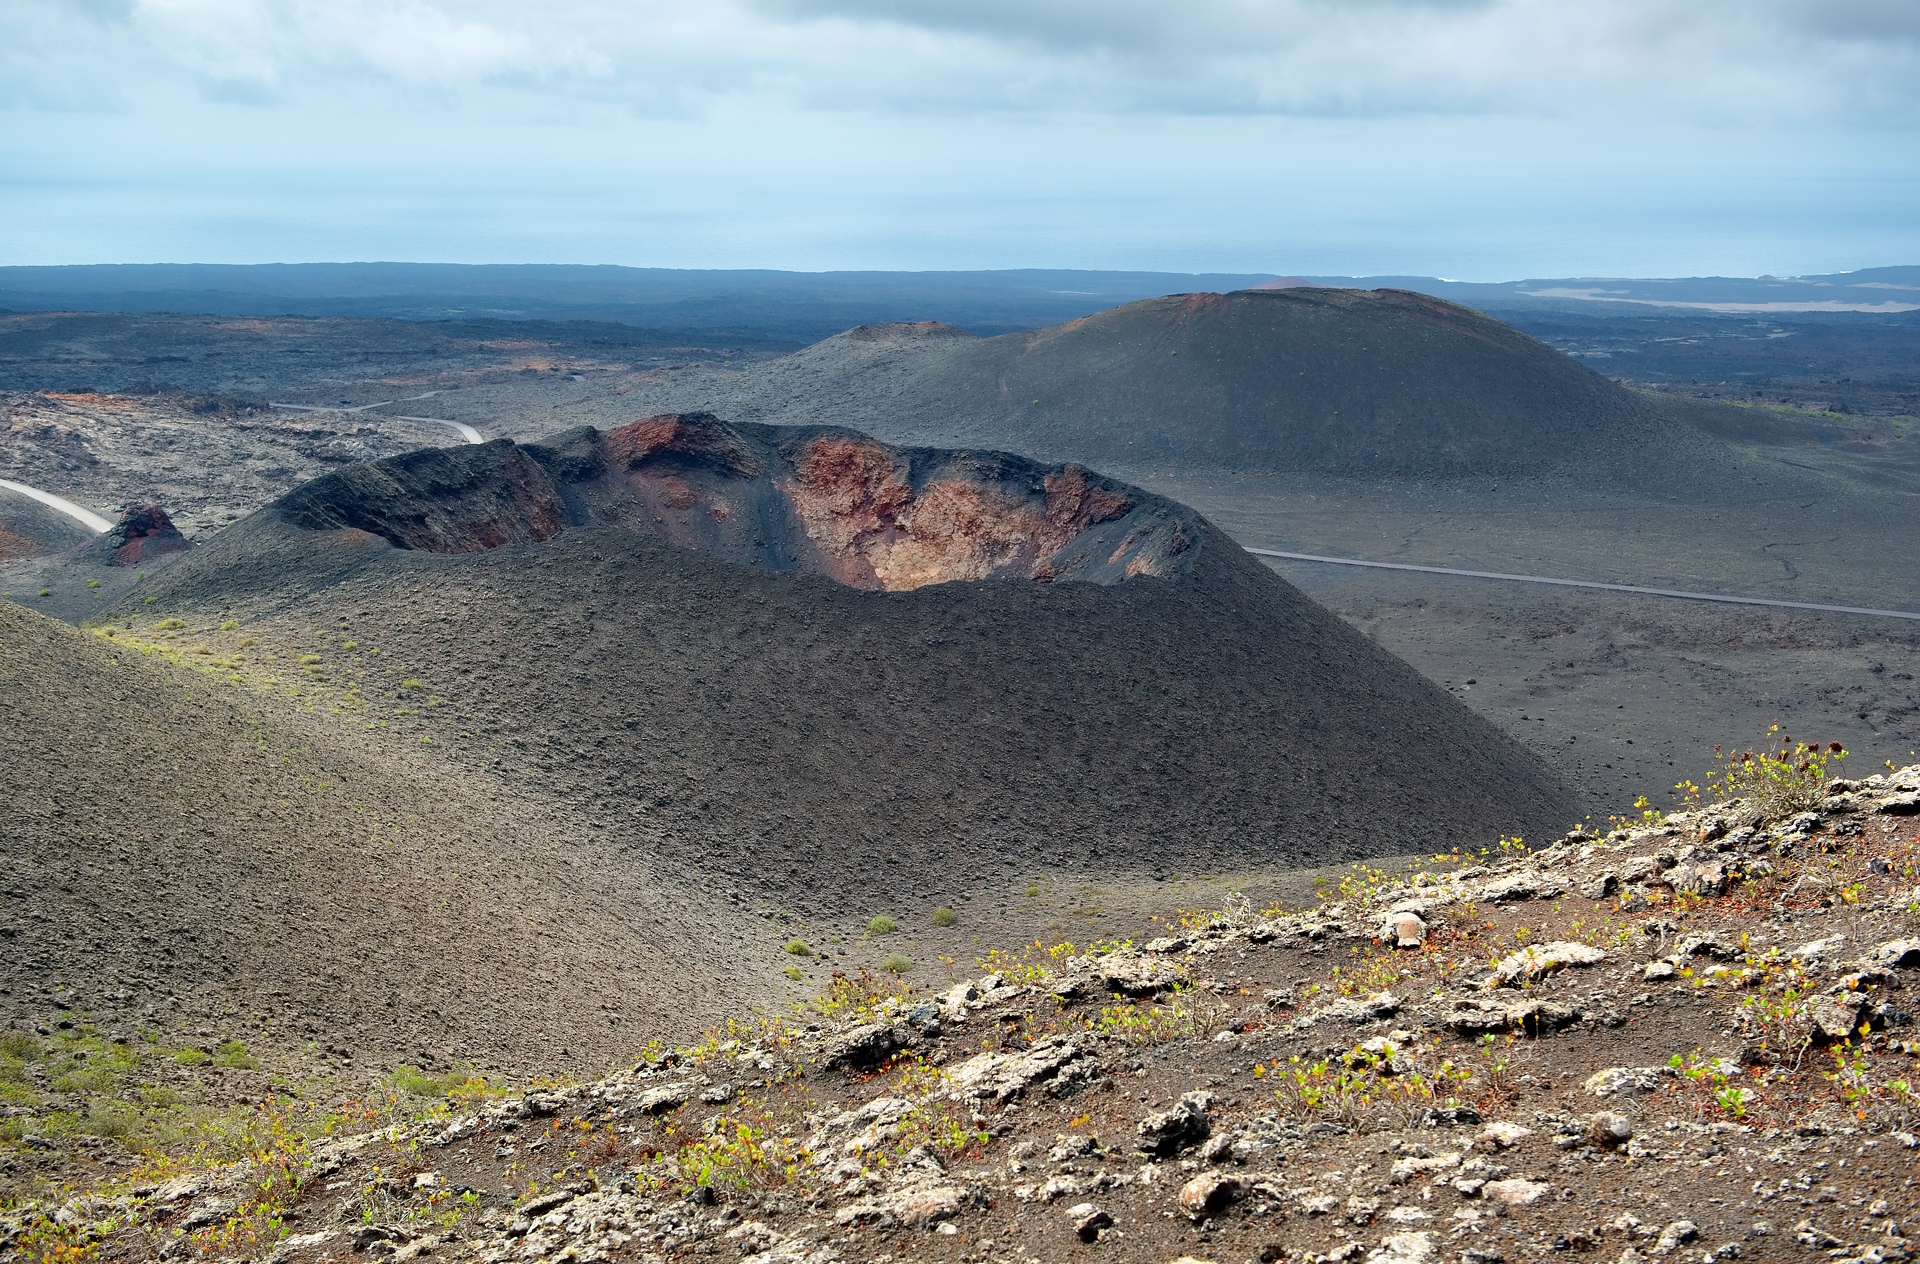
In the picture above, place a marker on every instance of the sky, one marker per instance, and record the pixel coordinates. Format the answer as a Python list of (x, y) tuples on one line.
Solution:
[(1473, 139)]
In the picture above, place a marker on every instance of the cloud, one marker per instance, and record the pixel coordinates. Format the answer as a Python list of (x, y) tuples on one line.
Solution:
[(1707, 61)]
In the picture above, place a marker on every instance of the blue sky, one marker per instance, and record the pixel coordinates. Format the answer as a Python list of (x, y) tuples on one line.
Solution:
[(1477, 139)]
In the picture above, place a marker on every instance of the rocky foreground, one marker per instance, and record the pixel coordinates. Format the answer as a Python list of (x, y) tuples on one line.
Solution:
[(1687, 1039)]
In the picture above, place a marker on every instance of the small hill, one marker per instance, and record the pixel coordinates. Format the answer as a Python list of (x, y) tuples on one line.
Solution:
[(1382, 384), (804, 664)]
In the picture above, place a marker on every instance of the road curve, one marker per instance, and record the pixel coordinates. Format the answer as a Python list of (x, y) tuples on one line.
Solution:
[(1585, 583), (94, 522), (466, 432)]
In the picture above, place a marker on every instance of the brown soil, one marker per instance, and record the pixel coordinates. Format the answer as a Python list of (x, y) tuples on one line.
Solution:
[(1719, 1069)]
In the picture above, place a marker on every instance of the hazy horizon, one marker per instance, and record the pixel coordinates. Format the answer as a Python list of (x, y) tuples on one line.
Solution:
[(1479, 141)]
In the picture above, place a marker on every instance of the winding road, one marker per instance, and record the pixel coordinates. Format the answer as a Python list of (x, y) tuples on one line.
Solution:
[(94, 522), (466, 432), (1584, 583)]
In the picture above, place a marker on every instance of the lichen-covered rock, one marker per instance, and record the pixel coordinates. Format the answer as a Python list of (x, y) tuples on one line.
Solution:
[(1186, 1125), (1536, 961), (1061, 1065)]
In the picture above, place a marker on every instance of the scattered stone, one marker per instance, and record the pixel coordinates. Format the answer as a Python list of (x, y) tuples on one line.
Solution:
[(1515, 1192), (915, 1207), (1406, 929), (1208, 1193), (1600, 887), (1404, 1170), (1675, 1234), (1358, 1010), (1478, 1014), (1836, 1017), (1609, 1128), (1536, 961), (1658, 970), (1088, 1221), (1404, 1248), (1896, 954), (658, 1101), (1703, 877), (1170, 1131), (1905, 804), (1521, 886), (1058, 1065), (1617, 1080), (864, 1048), (1504, 1134)]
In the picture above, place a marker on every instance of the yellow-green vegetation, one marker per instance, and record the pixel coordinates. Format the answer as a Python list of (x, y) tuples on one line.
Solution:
[(1779, 784), (793, 972), (1181, 1016), (414, 1082), (944, 916), (798, 947), (896, 963), (882, 925)]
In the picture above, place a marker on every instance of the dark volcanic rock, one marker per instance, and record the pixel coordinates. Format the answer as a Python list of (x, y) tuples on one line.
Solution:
[(143, 533)]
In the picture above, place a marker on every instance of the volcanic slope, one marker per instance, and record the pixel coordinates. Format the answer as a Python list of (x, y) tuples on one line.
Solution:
[(188, 855), (1381, 384), (802, 664)]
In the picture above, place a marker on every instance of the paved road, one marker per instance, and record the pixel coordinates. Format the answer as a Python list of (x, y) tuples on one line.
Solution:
[(1585, 583), (466, 432), (94, 522)]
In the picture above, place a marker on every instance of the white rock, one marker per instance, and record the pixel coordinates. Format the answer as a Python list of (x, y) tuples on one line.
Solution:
[(1516, 1192)]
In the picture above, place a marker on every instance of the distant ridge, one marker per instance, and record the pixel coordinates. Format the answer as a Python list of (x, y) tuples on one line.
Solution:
[(805, 306)]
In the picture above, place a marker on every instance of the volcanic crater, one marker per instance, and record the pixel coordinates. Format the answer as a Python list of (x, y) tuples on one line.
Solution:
[(815, 500)]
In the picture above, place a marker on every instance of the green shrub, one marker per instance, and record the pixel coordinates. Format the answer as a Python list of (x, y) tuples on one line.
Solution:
[(417, 1083), (793, 972), (944, 916), (413, 682), (895, 963), (882, 925), (189, 1057), (167, 625), (93, 583), (18, 1044), (798, 947), (233, 1053), (229, 625)]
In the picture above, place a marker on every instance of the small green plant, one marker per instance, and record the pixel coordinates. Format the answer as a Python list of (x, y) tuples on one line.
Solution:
[(228, 625), (944, 916), (793, 972), (1781, 784), (798, 947), (93, 583), (190, 1057), (169, 625), (413, 682), (233, 1053), (1033, 888), (895, 963), (882, 925)]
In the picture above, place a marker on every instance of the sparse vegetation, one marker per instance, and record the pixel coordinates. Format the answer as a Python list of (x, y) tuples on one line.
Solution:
[(944, 916), (895, 963), (798, 947), (882, 925)]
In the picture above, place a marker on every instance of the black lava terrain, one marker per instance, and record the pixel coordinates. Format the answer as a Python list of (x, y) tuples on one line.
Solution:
[(799, 736), (1335, 383), (188, 856)]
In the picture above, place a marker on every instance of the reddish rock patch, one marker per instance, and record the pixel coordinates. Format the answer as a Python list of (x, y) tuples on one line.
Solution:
[(143, 533)]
